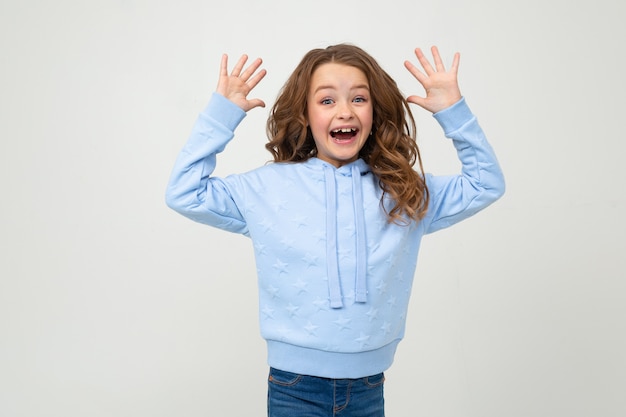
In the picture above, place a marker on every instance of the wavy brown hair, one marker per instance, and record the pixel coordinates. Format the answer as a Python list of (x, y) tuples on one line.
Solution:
[(391, 150)]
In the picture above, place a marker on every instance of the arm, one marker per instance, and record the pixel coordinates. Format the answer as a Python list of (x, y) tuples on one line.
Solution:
[(454, 198), (191, 190)]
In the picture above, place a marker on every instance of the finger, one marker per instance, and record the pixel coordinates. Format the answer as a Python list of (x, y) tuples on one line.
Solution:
[(224, 65), (424, 61), (221, 83), (455, 63), (415, 71), (251, 69), (437, 58), (252, 82), (239, 65)]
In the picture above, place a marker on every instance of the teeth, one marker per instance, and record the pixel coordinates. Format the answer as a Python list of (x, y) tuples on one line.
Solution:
[(345, 130)]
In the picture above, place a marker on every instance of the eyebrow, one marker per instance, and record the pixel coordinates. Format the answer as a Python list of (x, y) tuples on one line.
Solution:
[(330, 87)]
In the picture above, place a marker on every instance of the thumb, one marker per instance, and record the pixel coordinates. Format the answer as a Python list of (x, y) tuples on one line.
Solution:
[(420, 101), (255, 102)]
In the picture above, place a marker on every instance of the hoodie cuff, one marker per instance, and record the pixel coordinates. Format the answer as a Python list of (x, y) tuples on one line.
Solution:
[(224, 111), (454, 117)]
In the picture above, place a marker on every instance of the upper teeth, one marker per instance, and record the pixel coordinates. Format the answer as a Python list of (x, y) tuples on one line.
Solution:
[(344, 130)]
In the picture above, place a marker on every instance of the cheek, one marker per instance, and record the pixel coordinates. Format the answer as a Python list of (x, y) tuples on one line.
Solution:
[(316, 131), (319, 125), (367, 116)]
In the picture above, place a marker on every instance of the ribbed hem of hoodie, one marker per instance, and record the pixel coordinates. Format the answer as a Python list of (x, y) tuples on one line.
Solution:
[(325, 364), (225, 111), (454, 117)]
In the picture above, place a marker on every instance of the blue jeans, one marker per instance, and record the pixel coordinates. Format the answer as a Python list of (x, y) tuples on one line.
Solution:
[(293, 395)]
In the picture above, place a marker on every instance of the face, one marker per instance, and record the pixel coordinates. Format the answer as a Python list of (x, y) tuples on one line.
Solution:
[(339, 112)]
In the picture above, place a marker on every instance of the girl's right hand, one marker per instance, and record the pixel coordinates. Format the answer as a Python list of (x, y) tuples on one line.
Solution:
[(238, 84)]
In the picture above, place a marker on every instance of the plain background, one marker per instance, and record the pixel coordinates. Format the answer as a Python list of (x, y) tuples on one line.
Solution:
[(113, 305)]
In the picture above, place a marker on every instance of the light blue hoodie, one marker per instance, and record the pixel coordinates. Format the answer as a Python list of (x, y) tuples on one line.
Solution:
[(334, 276)]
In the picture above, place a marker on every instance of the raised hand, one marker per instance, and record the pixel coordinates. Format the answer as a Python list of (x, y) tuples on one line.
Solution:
[(441, 86), (240, 82)]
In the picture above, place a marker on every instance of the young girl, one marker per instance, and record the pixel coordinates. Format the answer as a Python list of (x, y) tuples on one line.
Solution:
[(336, 220)]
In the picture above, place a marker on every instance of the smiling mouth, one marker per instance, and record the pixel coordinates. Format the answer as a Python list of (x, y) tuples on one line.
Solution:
[(344, 134)]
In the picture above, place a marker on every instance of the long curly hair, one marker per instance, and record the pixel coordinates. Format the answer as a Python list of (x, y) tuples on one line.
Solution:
[(391, 151)]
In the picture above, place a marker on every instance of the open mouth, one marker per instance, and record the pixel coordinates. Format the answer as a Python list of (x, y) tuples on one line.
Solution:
[(344, 134)]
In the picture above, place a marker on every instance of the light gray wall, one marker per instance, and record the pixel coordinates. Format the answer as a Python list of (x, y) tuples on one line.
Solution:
[(113, 305)]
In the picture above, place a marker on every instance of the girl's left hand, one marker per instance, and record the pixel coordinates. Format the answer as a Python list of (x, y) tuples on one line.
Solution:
[(441, 86)]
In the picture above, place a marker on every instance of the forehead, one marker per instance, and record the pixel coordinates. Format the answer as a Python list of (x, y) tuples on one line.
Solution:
[(333, 75)]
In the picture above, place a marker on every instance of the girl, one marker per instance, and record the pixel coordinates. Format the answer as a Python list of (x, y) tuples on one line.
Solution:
[(336, 220)]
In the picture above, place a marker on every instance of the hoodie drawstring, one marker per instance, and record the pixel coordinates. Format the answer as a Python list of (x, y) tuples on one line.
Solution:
[(361, 246), (334, 285)]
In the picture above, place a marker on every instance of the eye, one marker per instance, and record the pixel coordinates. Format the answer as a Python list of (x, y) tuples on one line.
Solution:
[(359, 99), (327, 101)]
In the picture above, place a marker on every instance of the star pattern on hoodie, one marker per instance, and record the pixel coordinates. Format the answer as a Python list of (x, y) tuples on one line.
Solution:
[(310, 260), (300, 285), (386, 327), (320, 304), (399, 277), (272, 291), (382, 287), (294, 272), (287, 242), (266, 225), (363, 339), (281, 267), (292, 309), (343, 323), (280, 205), (268, 312), (372, 314), (311, 328), (261, 249), (300, 221)]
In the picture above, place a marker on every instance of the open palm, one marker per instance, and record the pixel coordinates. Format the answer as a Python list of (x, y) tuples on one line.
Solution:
[(237, 85), (441, 86)]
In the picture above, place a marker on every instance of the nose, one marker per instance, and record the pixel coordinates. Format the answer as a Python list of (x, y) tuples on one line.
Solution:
[(344, 110)]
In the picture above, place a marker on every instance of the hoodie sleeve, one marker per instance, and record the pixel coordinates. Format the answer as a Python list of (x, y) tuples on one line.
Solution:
[(191, 190), (455, 198)]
